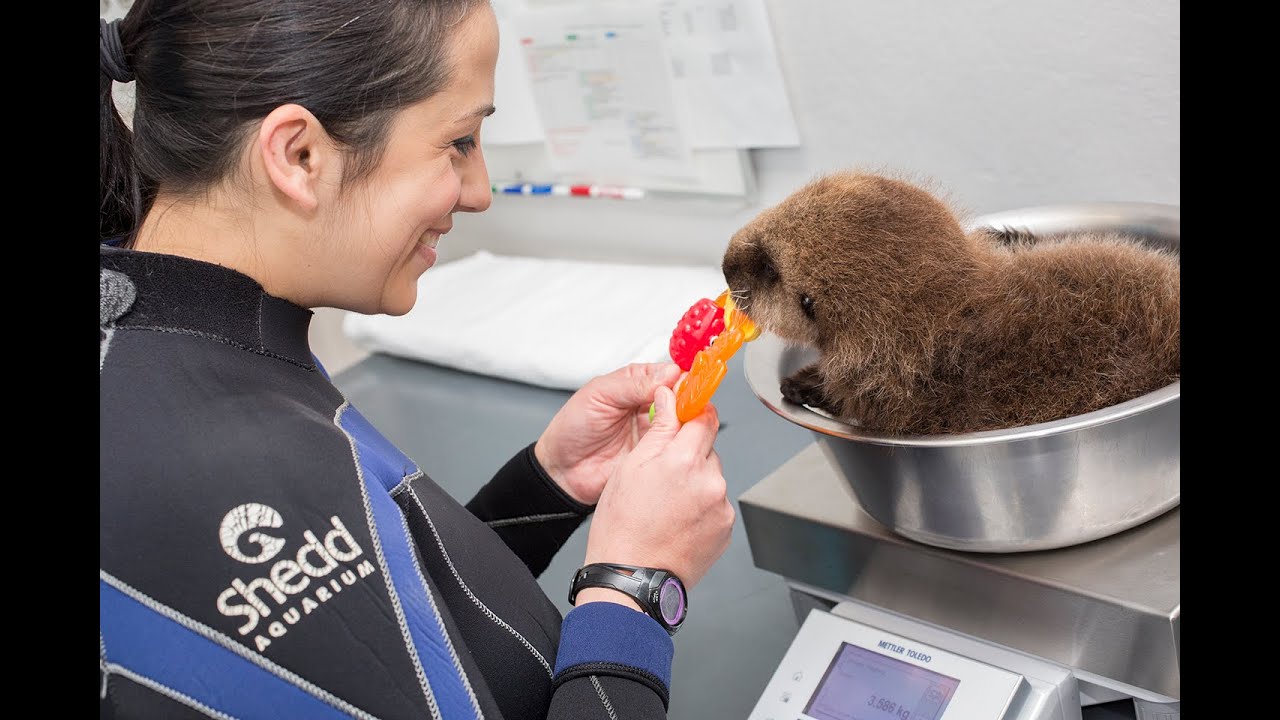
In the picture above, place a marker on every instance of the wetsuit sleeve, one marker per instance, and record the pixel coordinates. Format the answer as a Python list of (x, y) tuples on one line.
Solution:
[(613, 662), (531, 514)]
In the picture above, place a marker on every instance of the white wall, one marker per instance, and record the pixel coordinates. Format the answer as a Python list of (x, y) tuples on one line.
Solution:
[(1004, 103)]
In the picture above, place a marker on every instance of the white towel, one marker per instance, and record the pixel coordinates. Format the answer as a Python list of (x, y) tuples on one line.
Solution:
[(552, 323)]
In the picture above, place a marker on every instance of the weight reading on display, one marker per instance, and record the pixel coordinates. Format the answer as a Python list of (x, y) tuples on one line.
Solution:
[(863, 685)]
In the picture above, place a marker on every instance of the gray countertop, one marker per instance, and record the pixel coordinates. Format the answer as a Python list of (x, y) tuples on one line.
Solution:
[(460, 427)]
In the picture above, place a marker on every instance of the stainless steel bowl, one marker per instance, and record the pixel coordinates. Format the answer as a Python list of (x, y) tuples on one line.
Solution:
[(1034, 487)]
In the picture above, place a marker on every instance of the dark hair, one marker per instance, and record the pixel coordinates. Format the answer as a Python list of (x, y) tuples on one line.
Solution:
[(206, 70)]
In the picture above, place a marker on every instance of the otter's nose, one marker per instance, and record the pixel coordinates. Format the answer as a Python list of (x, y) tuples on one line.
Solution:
[(738, 288), (735, 273)]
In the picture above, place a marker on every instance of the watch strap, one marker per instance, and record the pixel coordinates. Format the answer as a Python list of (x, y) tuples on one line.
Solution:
[(637, 583), (611, 576)]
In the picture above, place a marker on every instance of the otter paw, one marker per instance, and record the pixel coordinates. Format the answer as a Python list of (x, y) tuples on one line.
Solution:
[(804, 388)]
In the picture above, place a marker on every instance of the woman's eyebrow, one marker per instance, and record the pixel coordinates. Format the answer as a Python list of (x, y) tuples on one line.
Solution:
[(484, 111)]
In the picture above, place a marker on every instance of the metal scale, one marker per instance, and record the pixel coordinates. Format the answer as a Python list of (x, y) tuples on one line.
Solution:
[(1013, 575), (950, 635)]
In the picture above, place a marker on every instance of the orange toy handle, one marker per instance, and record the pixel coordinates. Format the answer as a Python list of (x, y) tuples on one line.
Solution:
[(709, 368)]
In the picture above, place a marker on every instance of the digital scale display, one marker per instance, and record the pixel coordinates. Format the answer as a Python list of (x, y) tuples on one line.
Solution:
[(863, 685)]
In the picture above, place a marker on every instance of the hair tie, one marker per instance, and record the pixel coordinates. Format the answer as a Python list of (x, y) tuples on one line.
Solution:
[(111, 51)]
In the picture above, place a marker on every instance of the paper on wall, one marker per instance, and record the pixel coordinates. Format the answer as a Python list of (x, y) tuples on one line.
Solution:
[(726, 83), (605, 104), (516, 120), (726, 76)]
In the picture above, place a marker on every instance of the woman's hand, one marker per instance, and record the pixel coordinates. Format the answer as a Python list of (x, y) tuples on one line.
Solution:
[(598, 426), (666, 505)]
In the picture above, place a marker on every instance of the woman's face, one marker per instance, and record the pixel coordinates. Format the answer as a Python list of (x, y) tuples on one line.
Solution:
[(386, 227)]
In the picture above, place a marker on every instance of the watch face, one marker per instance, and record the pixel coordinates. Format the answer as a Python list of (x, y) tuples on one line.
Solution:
[(671, 602)]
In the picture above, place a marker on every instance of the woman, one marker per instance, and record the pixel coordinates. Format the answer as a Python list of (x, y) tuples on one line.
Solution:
[(265, 552)]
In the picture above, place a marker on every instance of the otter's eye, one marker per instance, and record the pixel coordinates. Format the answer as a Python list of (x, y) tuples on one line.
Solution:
[(806, 304)]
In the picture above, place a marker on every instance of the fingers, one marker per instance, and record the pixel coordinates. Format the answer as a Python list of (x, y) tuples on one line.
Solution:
[(665, 424), (698, 436), (665, 373), (633, 385)]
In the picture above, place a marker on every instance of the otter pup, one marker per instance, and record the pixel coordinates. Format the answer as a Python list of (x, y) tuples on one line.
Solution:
[(923, 328)]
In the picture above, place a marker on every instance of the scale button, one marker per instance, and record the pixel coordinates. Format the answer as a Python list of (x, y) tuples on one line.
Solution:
[(798, 676), (786, 697)]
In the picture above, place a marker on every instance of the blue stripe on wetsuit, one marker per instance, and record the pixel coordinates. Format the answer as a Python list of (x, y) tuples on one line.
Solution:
[(132, 631), (383, 467)]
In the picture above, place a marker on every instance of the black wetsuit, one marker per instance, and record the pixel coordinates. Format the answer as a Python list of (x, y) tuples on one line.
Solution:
[(265, 552)]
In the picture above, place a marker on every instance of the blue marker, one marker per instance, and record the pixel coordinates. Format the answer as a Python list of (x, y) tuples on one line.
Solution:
[(582, 190)]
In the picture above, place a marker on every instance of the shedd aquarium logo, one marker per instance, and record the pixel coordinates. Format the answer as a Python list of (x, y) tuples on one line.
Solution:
[(293, 587)]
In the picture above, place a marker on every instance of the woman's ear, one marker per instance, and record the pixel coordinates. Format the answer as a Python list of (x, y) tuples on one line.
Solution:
[(294, 150)]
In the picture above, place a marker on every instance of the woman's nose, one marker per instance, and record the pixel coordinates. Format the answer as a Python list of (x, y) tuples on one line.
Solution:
[(476, 193)]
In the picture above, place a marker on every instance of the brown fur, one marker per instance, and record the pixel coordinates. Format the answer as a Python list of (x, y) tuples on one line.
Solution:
[(924, 329)]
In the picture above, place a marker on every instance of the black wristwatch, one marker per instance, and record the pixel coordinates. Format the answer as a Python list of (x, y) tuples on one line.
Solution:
[(659, 592)]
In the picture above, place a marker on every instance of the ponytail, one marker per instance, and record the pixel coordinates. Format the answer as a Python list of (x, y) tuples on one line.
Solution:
[(120, 191)]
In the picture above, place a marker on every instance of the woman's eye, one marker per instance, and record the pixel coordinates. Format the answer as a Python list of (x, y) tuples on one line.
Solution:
[(465, 145), (806, 305)]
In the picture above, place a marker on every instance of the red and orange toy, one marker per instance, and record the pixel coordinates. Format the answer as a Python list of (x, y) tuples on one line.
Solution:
[(704, 340)]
